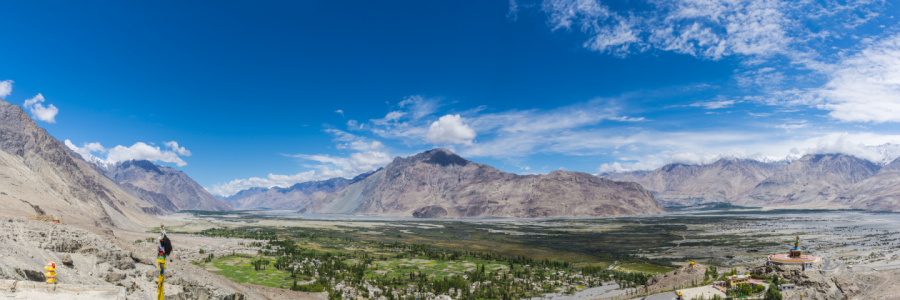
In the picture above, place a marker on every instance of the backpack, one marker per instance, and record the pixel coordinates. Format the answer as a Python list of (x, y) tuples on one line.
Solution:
[(167, 245)]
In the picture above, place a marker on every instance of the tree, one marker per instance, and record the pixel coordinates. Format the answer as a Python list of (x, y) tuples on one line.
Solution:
[(746, 289), (772, 293)]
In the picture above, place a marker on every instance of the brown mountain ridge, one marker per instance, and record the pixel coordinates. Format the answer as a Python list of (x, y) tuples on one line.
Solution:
[(439, 183)]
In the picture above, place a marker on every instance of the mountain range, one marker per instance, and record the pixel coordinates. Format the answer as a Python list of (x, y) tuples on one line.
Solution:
[(39, 175), (171, 190), (812, 181), (291, 198), (687, 184), (439, 183)]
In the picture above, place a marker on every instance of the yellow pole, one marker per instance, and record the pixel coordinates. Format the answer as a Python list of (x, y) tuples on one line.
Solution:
[(161, 261), (162, 267)]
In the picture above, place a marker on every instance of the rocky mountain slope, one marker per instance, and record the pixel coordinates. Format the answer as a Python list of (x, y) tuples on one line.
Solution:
[(725, 180), (439, 183), (171, 190), (39, 174), (814, 180), (291, 198), (879, 192)]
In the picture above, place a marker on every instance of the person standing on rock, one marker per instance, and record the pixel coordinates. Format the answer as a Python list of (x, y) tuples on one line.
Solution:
[(164, 249)]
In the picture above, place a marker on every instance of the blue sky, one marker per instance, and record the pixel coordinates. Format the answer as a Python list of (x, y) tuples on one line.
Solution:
[(273, 93)]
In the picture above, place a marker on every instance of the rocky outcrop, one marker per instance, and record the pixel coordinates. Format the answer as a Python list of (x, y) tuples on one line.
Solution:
[(433, 211), (439, 180), (169, 189), (86, 258), (814, 180), (37, 170), (685, 276), (813, 284), (292, 198), (726, 180)]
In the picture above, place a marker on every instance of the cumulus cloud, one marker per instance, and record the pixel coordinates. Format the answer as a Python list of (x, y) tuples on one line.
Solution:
[(450, 129), (142, 151), (39, 111), (138, 151), (866, 86), (877, 148), (6, 88)]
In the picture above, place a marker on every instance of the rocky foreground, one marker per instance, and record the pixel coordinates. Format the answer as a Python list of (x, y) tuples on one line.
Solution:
[(101, 260)]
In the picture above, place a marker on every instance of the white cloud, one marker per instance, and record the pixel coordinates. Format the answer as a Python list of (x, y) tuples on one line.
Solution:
[(653, 149), (142, 151), (86, 151), (369, 155), (340, 112), (793, 125), (138, 151), (877, 148), (610, 32), (450, 129), (508, 133), (6, 88), (356, 163), (617, 167), (406, 122), (419, 107), (237, 185), (866, 86), (709, 29), (345, 140), (392, 116), (39, 111), (713, 104), (180, 150), (788, 98), (627, 119), (513, 12), (327, 167)]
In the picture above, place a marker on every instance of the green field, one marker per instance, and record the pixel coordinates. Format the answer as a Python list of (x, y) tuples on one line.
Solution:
[(521, 259), (648, 268), (239, 269)]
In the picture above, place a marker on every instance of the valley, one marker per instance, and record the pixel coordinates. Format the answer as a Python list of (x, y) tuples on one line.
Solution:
[(403, 257)]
